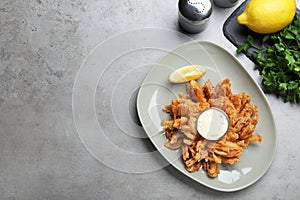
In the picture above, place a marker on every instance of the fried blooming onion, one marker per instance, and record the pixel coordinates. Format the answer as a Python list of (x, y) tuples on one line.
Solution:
[(181, 130)]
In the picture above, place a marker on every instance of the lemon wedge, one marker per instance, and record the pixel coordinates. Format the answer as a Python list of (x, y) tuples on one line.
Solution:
[(187, 73)]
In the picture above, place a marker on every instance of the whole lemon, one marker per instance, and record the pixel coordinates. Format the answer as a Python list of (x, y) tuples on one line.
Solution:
[(268, 16)]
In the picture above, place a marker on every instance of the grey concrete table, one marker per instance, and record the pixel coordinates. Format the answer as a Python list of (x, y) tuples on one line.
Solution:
[(42, 151)]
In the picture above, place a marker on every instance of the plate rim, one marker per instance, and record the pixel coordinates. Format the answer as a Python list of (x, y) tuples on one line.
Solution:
[(256, 85)]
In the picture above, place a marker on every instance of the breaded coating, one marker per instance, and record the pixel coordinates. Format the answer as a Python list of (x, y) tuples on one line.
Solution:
[(197, 152)]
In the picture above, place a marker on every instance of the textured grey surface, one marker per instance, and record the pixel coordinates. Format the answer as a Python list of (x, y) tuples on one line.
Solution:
[(42, 45)]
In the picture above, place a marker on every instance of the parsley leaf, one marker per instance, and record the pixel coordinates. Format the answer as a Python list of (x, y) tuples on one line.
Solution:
[(278, 61)]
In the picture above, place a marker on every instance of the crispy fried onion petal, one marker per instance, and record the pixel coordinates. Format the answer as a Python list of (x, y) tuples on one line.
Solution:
[(181, 131)]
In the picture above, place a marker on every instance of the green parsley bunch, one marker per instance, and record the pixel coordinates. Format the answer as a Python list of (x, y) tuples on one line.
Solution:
[(278, 61)]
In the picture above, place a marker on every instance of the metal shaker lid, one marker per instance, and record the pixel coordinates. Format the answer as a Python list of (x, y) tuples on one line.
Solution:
[(195, 10)]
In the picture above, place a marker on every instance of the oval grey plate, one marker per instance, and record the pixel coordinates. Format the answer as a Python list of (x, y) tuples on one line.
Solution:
[(156, 91)]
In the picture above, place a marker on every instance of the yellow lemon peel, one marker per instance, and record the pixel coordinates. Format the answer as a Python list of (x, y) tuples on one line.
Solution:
[(268, 16)]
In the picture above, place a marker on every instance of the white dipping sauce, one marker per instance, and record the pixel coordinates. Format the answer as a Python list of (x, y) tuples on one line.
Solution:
[(212, 123)]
